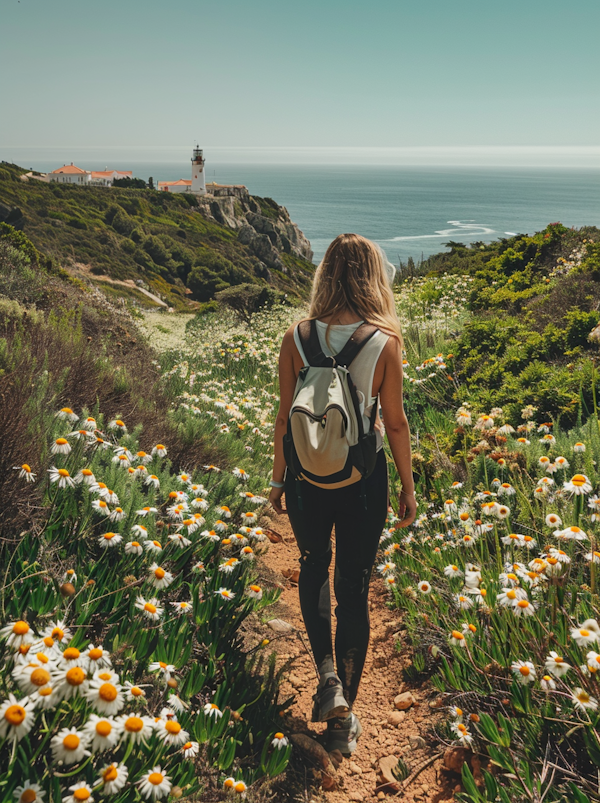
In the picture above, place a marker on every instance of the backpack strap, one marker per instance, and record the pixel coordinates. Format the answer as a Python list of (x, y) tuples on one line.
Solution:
[(355, 343), (309, 337)]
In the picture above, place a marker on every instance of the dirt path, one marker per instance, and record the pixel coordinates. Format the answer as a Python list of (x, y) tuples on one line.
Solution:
[(387, 732)]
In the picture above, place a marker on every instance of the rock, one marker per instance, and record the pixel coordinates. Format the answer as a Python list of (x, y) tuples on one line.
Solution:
[(280, 626), (395, 718), (296, 682), (354, 768), (386, 766), (416, 742), (314, 751), (455, 757), (404, 700), (293, 575), (355, 796)]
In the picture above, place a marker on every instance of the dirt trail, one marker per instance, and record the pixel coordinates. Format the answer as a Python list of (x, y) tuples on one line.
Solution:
[(407, 735)]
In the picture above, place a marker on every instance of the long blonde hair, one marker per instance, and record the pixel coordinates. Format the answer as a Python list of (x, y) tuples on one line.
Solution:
[(352, 276)]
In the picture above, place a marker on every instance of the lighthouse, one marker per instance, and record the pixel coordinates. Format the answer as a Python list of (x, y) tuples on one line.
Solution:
[(198, 177)]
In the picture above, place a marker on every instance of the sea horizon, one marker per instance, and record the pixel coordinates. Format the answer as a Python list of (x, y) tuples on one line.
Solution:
[(411, 210)]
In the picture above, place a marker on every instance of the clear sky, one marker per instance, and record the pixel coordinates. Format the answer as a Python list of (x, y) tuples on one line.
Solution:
[(308, 74)]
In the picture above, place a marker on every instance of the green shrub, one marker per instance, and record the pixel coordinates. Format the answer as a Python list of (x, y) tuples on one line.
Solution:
[(246, 299)]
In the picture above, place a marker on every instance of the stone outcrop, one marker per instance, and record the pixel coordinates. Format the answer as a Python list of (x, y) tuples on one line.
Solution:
[(262, 225)]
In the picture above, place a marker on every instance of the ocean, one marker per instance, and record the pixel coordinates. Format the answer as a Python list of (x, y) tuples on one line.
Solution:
[(409, 211)]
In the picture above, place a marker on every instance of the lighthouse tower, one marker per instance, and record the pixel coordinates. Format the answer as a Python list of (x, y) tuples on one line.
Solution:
[(198, 177)]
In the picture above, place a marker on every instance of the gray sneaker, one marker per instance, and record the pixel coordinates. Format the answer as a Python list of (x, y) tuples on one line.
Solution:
[(329, 701), (342, 734)]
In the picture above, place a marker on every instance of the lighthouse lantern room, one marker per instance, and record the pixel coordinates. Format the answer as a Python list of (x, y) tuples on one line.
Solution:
[(198, 176)]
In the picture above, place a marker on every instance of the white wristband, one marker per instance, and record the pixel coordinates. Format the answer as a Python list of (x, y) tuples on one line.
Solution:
[(275, 484)]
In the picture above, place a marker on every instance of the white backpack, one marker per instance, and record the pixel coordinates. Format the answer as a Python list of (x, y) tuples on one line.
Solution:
[(325, 442)]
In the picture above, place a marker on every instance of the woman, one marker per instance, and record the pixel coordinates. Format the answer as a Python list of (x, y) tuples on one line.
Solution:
[(351, 286)]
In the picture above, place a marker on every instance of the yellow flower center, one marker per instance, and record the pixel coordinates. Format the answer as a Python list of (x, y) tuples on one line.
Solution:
[(110, 774), (584, 633), (39, 677), (228, 784), (186, 746), (42, 658), (71, 741), (62, 472), (524, 670), (20, 628), (103, 728), (61, 441), (159, 573), (134, 724), (583, 697), (456, 634), (558, 660), (15, 714), (28, 796), (95, 653), (75, 676), (81, 794), (172, 727), (256, 589), (158, 545), (107, 692), (71, 654), (150, 607), (156, 778), (45, 692), (579, 480), (523, 603), (136, 691)]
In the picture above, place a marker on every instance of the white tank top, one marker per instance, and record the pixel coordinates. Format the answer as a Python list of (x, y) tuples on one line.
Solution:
[(362, 369)]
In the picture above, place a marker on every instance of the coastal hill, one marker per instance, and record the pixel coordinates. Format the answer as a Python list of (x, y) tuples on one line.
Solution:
[(155, 247)]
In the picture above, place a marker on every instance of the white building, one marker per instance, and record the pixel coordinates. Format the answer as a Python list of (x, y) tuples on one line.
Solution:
[(70, 174), (183, 185), (105, 178)]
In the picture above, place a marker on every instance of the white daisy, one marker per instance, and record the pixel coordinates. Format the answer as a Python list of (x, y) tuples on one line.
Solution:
[(212, 710), (150, 608), (17, 633), (524, 671), (69, 746), (583, 700), (103, 733), (113, 778), (159, 577), (155, 785), (62, 477), (135, 728), (29, 793), (81, 793), (171, 733), (16, 717), (105, 696)]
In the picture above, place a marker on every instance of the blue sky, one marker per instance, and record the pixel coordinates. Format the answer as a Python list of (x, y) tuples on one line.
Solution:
[(310, 74)]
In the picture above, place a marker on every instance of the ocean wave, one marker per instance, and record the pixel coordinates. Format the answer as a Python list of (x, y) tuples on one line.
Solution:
[(461, 227)]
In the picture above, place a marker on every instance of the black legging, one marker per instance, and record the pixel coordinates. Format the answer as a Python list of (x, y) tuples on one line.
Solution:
[(357, 533)]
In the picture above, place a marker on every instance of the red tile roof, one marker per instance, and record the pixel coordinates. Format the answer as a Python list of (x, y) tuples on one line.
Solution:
[(181, 182), (69, 169)]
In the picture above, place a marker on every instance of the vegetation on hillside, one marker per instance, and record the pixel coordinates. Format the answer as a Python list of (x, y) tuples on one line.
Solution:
[(160, 240)]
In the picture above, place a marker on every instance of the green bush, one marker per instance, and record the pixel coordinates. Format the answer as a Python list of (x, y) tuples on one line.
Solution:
[(246, 299)]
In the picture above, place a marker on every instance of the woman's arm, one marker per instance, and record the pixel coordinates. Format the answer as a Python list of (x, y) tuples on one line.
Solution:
[(289, 367), (397, 429)]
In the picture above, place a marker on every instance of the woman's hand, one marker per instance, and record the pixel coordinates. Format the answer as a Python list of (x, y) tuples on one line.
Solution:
[(275, 500), (407, 509)]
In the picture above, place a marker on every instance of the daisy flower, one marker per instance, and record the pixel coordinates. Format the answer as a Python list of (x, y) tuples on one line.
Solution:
[(462, 602), (133, 692), (69, 746), (572, 533), (578, 485), (71, 682), (17, 633), (61, 476), (556, 665), (81, 792), (254, 591), (164, 669), (25, 472), (100, 506), (213, 710), (29, 793), (524, 671), (96, 658), (547, 684), (117, 424), (584, 636), (155, 785), (424, 587), (247, 553), (190, 749), (153, 546), (584, 701), (593, 661), (179, 539), (105, 696), (452, 571), (152, 479), (118, 514), (135, 728), (16, 717), (224, 593), (102, 733), (553, 520), (579, 447), (159, 577), (60, 446), (279, 742), (32, 677), (145, 511), (159, 450), (182, 607), (67, 414), (143, 457), (241, 474), (113, 778), (462, 732), (458, 639), (133, 548), (524, 607), (595, 556), (150, 608), (109, 540), (171, 733)]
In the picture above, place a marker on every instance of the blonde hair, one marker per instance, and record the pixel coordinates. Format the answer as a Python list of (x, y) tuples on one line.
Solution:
[(353, 276)]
